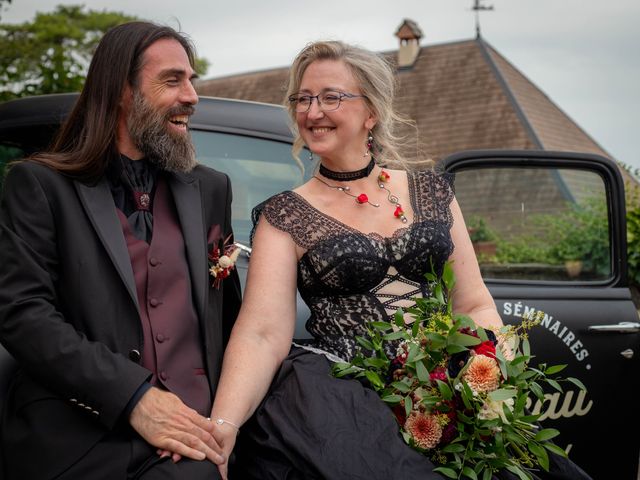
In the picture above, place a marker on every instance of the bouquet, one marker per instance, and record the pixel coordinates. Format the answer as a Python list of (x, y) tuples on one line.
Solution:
[(457, 396)]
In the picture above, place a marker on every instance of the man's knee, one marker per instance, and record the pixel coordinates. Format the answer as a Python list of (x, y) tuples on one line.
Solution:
[(184, 469)]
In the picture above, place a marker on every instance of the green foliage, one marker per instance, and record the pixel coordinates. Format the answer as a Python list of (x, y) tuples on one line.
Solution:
[(51, 54), (580, 232), (524, 249), (632, 191), (479, 231)]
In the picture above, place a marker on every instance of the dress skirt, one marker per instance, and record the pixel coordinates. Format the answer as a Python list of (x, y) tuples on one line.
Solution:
[(314, 426)]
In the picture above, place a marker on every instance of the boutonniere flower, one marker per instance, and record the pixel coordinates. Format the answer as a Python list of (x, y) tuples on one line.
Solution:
[(222, 260)]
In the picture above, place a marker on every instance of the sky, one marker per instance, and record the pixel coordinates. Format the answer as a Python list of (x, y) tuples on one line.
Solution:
[(584, 54)]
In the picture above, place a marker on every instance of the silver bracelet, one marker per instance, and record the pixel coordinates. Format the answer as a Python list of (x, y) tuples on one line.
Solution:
[(222, 421)]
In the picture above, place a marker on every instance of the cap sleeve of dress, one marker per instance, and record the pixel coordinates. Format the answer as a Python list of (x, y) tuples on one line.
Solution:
[(434, 193), (290, 213)]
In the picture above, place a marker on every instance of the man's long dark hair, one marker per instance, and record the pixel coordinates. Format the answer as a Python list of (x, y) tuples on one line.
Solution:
[(86, 142)]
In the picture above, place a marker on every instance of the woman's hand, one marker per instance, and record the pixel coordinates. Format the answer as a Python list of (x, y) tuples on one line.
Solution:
[(225, 435)]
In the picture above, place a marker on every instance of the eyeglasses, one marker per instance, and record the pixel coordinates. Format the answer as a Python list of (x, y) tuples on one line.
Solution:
[(327, 101)]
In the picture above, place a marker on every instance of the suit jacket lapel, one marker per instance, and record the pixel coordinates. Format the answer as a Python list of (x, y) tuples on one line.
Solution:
[(186, 195), (98, 203)]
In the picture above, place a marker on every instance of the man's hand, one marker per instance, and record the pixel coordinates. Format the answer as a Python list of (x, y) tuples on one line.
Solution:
[(165, 422)]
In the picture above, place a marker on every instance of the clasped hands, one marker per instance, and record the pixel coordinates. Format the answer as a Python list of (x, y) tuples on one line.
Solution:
[(165, 422)]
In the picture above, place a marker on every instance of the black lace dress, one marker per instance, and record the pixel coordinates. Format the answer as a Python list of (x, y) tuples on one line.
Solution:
[(312, 425)]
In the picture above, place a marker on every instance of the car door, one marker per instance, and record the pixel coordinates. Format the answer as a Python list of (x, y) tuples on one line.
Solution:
[(549, 233)]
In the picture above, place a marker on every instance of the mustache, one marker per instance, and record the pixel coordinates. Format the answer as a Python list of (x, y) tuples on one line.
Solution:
[(181, 110)]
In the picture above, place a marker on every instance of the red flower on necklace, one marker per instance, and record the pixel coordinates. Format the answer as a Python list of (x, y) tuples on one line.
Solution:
[(384, 176), (362, 198)]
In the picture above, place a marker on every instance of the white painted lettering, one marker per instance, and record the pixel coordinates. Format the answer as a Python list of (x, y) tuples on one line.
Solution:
[(568, 338), (506, 309), (582, 355), (555, 327), (549, 406), (576, 346), (518, 310)]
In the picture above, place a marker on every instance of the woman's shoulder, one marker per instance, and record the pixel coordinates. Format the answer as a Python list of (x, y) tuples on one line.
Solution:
[(283, 203), (285, 211), (433, 177)]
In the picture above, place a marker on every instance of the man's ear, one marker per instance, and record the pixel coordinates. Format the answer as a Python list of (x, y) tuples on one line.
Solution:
[(127, 98)]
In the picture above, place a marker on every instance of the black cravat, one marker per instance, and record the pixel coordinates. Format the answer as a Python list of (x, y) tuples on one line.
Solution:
[(133, 194)]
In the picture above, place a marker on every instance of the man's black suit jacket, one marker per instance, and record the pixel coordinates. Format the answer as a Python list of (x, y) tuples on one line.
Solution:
[(69, 313)]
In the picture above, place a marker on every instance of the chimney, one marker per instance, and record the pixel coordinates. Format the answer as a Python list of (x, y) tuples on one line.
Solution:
[(409, 34)]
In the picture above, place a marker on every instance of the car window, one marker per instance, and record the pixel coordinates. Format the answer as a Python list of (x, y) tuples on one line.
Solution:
[(258, 168), (537, 223)]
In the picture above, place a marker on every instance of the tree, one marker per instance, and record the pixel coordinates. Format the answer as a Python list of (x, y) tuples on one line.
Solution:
[(51, 54)]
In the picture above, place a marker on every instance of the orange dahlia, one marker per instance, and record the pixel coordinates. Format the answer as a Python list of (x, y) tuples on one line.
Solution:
[(425, 429), (483, 374)]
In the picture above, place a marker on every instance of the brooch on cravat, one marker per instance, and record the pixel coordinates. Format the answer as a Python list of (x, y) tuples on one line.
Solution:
[(143, 200)]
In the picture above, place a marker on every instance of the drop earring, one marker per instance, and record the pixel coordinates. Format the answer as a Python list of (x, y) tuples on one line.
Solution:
[(310, 156), (369, 144)]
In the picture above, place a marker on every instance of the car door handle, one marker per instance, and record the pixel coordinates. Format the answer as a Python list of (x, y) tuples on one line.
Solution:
[(622, 327), (243, 248)]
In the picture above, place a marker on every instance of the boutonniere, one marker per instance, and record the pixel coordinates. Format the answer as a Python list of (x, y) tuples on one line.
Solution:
[(222, 260)]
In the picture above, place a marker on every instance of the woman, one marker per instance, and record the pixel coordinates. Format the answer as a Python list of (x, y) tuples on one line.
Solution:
[(356, 240)]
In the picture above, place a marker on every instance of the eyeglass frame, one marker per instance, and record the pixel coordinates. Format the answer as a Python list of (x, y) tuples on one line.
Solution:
[(341, 96)]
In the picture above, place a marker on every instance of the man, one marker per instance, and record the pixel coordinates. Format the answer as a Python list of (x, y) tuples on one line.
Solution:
[(105, 297)]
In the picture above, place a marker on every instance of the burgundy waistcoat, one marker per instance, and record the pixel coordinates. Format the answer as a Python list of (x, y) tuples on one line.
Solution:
[(172, 347)]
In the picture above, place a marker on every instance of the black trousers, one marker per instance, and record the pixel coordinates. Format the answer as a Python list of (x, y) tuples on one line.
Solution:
[(125, 455)]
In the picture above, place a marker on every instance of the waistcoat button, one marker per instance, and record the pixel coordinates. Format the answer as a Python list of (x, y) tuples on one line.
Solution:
[(154, 302), (163, 375), (153, 261), (160, 338)]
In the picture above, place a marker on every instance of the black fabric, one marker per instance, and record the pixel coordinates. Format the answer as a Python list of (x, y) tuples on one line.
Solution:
[(312, 425), (121, 454), (125, 179)]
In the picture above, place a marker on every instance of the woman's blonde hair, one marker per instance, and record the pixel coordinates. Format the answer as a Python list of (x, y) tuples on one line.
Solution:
[(377, 83)]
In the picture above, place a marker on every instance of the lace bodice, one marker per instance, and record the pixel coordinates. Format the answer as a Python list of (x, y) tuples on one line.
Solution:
[(347, 277)]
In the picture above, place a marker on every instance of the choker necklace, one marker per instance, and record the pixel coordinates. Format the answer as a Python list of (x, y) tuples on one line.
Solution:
[(347, 176), (361, 199)]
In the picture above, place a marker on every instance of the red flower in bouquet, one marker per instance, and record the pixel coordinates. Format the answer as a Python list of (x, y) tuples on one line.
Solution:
[(486, 348), (438, 373)]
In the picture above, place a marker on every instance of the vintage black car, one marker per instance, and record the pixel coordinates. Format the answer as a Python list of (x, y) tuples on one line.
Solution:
[(549, 232)]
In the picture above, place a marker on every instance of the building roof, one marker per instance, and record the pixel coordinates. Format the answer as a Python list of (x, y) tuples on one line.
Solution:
[(462, 95)]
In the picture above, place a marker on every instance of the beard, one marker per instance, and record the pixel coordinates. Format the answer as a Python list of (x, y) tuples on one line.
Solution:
[(147, 125)]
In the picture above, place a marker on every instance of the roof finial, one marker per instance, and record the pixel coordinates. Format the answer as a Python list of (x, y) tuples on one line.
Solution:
[(477, 7)]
